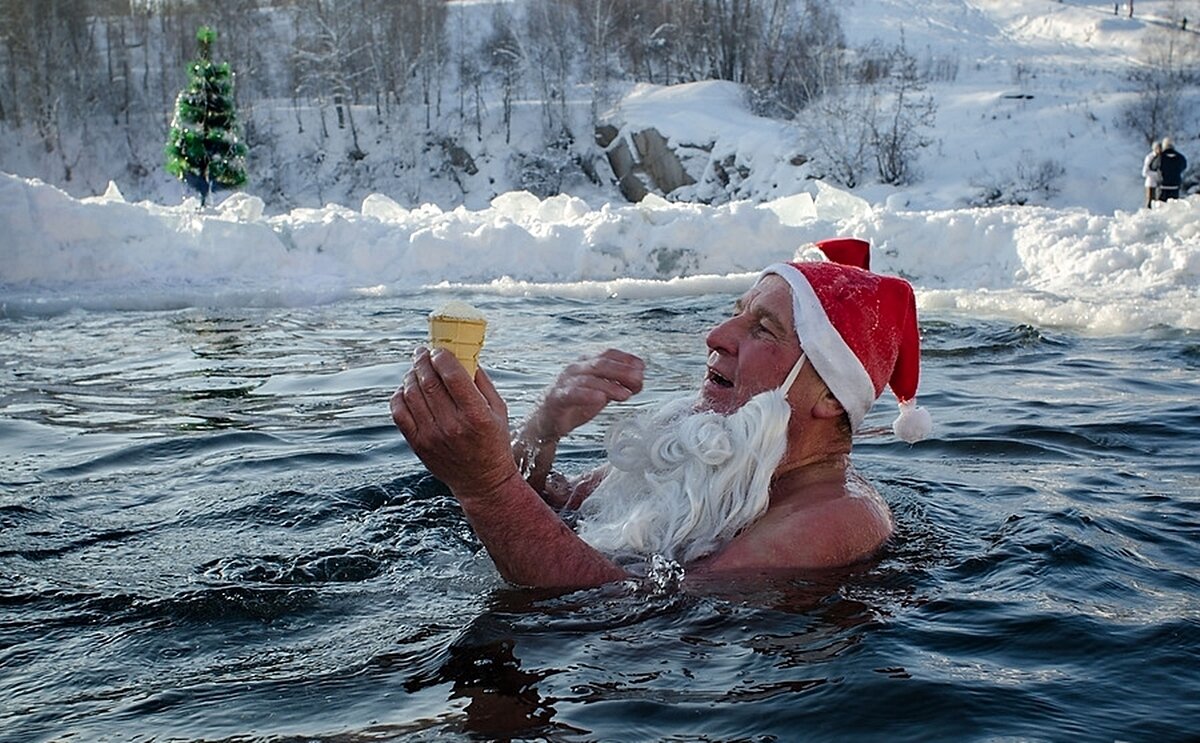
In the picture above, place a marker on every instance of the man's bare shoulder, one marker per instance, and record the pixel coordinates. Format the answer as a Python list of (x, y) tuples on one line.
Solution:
[(830, 532)]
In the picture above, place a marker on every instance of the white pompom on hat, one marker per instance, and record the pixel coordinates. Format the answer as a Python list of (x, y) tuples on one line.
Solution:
[(859, 330)]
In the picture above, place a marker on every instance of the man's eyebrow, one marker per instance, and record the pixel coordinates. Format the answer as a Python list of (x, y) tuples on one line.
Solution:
[(763, 315), (766, 316)]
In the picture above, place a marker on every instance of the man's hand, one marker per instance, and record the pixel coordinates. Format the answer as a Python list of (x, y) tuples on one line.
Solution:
[(578, 395), (583, 389), (459, 430)]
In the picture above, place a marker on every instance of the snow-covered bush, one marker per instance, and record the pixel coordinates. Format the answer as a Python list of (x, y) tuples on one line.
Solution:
[(1029, 182)]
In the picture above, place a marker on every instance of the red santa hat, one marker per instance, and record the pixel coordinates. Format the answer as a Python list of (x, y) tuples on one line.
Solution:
[(859, 330), (849, 251)]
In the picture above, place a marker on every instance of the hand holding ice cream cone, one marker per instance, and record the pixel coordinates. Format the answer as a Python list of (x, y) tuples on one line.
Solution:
[(459, 328)]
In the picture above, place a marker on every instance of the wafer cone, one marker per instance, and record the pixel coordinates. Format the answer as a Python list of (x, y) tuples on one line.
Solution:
[(461, 336)]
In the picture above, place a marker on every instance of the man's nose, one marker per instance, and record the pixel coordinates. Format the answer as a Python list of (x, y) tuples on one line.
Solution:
[(723, 337)]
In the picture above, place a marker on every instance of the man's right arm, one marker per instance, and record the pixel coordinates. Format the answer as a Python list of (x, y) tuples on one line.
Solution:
[(529, 543), (459, 430)]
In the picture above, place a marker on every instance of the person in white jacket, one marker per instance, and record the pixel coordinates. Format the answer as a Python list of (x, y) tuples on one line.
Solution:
[(1150, 171)]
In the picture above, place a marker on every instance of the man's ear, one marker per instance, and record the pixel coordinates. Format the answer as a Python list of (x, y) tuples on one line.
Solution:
[(827, 406)]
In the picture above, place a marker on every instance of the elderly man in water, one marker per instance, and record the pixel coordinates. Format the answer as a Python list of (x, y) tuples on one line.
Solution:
[(752, 475)]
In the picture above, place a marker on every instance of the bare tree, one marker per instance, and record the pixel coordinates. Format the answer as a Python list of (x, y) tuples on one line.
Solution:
[(598, 24), (407, 44), (467, 56), (431, 57), (56, 78), (902, 119), (330, 53), (839, 133), (872, 109), (547, 23), (505, 57), (802, 48), (737, 27), (1169, 66)]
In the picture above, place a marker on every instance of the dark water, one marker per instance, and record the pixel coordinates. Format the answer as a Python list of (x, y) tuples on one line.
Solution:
[(211, 531)]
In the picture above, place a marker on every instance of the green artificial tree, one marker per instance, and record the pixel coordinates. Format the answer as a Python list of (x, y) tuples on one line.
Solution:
[(204, 148)]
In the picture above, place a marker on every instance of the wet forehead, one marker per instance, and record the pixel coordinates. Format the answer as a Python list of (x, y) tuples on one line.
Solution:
[(770, 297)]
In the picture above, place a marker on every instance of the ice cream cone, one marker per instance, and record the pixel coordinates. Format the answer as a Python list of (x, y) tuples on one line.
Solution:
[(462, 336)]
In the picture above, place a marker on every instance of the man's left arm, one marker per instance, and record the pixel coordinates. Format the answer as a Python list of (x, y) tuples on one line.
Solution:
[(459, 430), (580, 392)]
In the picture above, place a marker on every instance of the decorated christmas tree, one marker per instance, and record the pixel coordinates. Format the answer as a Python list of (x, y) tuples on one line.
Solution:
[(204, 148)]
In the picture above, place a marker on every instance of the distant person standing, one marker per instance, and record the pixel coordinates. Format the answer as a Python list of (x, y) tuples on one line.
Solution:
[(1150, 171), (1171, 164)]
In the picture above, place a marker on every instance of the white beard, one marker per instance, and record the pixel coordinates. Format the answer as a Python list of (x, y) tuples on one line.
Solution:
[(683, 482)]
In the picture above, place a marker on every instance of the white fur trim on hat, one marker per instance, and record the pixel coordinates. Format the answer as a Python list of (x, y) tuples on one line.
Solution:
[(832, 358)]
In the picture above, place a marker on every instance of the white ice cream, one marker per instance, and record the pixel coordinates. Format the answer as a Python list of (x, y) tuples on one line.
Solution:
[(458, 310)]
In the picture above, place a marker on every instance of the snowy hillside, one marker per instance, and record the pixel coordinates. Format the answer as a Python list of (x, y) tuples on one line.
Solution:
[(1029, 97), (1037, 80)]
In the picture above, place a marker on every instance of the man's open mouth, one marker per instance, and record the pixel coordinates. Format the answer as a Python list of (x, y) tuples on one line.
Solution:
[(717, 379)]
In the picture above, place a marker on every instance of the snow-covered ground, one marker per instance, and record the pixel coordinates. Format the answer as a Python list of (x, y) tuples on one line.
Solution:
[(1089, 259), (1037, 80)]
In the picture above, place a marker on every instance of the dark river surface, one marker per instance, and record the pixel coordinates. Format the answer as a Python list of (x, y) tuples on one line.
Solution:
[(211, 531)]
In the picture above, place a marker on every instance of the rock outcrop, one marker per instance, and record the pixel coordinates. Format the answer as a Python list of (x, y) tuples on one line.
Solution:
[(642, 162)]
